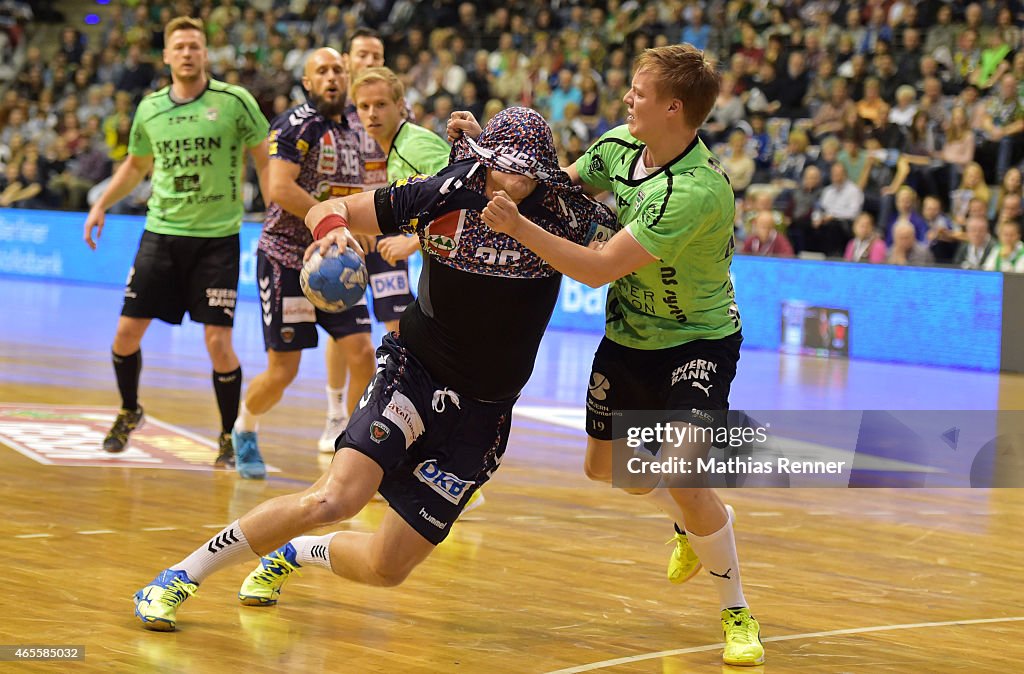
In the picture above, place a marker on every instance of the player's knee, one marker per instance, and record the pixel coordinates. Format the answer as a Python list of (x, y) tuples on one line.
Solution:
[(331, 505), (218, 344), (388, 573), (282, 374), (596, 471)]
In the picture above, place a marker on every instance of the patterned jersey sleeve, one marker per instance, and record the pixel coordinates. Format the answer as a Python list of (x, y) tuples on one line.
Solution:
[(288, 133), (407, 206)]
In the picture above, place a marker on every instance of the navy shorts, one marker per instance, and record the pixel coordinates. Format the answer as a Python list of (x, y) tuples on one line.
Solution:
[(436, 447), (692, 380), (389, 285), (289, 319), (174, 274)]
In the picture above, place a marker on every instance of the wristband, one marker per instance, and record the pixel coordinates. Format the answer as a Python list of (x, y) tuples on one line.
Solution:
[(328, 223)]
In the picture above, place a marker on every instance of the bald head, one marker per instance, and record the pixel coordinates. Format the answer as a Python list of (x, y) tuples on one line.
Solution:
[(326, 81)]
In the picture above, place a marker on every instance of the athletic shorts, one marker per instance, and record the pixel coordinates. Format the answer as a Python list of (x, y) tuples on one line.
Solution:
[(436, 447), (289, 319), (691, 380), (174, 274), (389, 285)]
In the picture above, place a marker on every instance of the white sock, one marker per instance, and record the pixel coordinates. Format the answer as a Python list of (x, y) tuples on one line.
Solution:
[(336, 408), (662, 498), (247, 421), (717, 552), (228, 547), (313, 550)]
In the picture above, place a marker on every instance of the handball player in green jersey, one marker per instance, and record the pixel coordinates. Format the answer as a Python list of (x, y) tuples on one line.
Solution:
[(194, 135), (673, 330)]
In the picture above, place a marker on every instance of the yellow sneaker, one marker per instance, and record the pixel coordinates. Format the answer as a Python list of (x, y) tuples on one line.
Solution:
[(743, 646), (263, 586), (684, 563), (156, 604)]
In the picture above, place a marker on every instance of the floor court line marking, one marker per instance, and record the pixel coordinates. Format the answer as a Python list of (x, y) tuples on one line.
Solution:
[(790, 637), (34, 536)]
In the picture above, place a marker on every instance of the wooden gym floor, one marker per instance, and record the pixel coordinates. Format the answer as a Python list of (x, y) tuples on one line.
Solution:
[(551, 574)]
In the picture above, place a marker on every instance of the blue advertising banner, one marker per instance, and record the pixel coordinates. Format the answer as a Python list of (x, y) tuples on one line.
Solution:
[(927, 316)]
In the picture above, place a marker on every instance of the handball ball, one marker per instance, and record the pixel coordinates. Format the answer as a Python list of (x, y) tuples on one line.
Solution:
[(335, 281)]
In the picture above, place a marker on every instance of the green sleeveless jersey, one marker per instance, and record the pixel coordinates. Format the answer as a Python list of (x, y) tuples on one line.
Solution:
[(682, 214), (198, 151), (416, 151)]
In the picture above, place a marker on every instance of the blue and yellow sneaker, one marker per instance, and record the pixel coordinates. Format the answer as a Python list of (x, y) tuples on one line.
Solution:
[(743, 646), (157, 603), (248, 461), (263, 586), (684, 563)]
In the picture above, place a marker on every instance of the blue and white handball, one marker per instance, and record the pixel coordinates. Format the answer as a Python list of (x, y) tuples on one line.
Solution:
[(335, 281)]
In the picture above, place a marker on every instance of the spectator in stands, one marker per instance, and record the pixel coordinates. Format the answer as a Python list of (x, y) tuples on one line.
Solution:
[(972, 187), (840, 203), (902, 113), (738, 162), (957, 149), (830, 116), (906, 249), (872, 107), (906, 212), (1009, 210), (1011, 186), (765, 239), (1008, 253), (941, 38), (728, 110), (978, 244), (1002, 127), (790, 167), (941, 234), (802, 202), (866, 245)]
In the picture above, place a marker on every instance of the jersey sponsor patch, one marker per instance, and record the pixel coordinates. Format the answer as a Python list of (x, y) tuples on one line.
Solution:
[(389, 284), (297, 310), (448, 485), (401, 411), (443, 234), (328, 161)]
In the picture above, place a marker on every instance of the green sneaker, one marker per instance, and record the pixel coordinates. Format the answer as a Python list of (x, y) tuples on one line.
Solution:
[(684, 563), (263, 586), (157, 603), (743, 646)]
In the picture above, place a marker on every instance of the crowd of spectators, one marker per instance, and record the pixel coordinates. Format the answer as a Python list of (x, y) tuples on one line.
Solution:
[(881, 130)]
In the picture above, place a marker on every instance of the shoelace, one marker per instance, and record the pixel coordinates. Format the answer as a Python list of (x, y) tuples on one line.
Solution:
[(177, 592), (441, 395), (743, 635), (276, 565)]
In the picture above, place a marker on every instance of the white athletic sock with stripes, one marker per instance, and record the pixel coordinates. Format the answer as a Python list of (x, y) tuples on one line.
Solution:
[(313, 550), (247, 421), (717, 552), (228, 547), (336, 403)]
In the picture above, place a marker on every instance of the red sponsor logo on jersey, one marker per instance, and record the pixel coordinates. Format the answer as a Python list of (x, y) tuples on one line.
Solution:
[(328, 161), (443, 234)]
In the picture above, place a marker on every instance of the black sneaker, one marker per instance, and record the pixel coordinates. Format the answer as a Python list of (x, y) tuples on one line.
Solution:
[(126, 422), (226, 455)]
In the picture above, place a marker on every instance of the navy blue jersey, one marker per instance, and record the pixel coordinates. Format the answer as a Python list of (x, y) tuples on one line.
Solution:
[(484, 300), (331, 165)]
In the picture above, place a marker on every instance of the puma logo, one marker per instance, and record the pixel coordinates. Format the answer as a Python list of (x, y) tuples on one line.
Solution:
[(706, 389), (722, 575)]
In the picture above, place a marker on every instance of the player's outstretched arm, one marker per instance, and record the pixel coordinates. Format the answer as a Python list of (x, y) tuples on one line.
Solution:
[(594, 267), (127, 176), (329, 221)]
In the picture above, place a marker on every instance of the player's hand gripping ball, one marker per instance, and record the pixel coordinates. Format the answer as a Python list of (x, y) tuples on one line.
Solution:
[(335, 281)]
